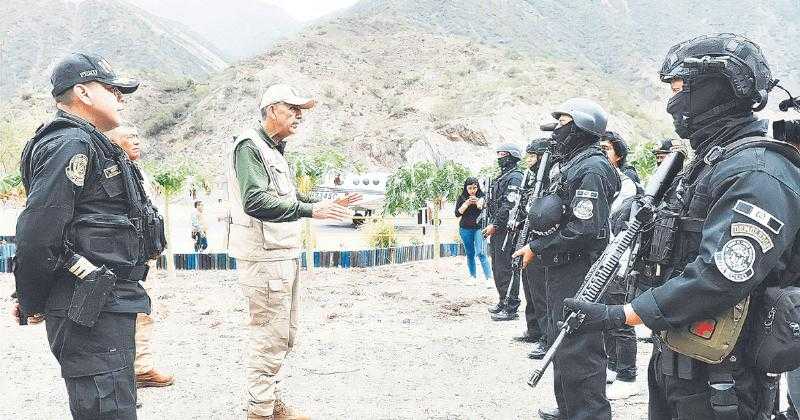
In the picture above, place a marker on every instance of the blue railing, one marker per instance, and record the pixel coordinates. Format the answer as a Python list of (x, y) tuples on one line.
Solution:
[(321, 259)]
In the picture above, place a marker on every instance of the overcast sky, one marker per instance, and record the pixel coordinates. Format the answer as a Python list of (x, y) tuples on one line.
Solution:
[(304, 10)]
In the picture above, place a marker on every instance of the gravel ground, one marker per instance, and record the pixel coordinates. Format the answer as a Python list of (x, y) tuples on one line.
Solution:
[(397, 342)]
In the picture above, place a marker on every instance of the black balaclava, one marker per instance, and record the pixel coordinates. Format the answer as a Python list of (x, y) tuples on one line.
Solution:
[(569, 138), (507, 162), (702, 102)]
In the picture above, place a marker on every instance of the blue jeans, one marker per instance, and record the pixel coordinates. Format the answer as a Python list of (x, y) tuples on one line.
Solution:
[(475, 247)]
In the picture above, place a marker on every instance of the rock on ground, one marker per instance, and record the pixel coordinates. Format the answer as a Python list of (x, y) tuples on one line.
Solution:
[(396, 342)]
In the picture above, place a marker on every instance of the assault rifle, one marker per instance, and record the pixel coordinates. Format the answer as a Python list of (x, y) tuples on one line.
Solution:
[(483, 218), (522, 234), (525, 201), (605, 268), (512, 227)]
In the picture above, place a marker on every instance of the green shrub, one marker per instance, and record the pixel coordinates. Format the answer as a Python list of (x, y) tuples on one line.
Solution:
[(380, 233)]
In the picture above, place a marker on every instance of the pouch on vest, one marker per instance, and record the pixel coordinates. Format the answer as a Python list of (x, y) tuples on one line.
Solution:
[(709, 340), (106, 239), (775, 338)]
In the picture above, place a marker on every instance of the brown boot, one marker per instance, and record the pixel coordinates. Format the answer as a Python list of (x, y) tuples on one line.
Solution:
[(284, 412), (153, 378), (251, 416)]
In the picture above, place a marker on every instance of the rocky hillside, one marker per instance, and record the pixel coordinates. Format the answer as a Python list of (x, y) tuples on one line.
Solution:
[(35, 33), (431, 79), (402, 81), (239, 28)]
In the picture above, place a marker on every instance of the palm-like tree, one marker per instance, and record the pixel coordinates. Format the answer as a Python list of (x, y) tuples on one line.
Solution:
[(414, 187), (170, 181), (309, 171)]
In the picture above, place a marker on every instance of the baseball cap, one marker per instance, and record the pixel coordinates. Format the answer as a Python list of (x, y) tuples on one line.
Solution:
[(81, 68), (284, 93)]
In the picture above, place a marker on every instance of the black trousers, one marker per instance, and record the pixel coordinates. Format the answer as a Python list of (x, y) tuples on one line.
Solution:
[(97, 365), (678, 387), (501, 269), (533, 285), (579, 366), (621, 343)]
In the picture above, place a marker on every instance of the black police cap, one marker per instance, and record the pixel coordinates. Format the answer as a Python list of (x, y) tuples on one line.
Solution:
[(82, 68), (665, 146)]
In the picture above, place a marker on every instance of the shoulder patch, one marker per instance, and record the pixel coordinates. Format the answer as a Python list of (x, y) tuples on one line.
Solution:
[(586, 194), (753, 232), (735, 260), (584, 209), (760, 215), (76, 169)]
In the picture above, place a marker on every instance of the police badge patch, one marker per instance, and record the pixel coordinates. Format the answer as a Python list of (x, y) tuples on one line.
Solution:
[(76, 169), (584, 209), (735, 260)]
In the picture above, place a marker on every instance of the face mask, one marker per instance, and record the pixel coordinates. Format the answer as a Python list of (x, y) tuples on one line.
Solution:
[(506, 161), (561, 133), (679, 106)]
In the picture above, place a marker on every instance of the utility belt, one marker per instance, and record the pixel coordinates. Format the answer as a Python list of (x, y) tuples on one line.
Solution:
[(551, 259), (720, 381), (132, 274)]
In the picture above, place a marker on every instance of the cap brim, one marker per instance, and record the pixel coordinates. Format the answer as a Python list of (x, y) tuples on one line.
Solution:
[(302, 103), (124, 84)]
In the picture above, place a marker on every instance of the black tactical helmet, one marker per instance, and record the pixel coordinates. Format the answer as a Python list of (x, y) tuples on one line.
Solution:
[(586, 114), (511, 148), (537, 146), (545, 213), (730, 56)]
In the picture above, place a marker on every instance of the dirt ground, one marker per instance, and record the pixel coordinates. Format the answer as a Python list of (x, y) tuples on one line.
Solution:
[(396, 342)]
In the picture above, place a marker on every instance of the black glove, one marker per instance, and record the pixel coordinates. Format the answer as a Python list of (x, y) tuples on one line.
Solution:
[(596, 316)]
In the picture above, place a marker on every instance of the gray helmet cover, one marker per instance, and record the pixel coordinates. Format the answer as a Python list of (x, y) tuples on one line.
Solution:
[(511, 148), (586, 114)]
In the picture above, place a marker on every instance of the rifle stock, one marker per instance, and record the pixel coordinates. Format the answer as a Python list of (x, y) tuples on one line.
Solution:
[(603, 270)]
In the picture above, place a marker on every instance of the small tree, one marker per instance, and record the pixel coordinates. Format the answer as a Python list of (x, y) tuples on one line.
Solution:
[(170, 181), (414, 187), (11, 189), (309, 171)]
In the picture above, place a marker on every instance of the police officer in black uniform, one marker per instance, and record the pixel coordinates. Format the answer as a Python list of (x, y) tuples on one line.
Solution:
[(505, 191), (84, 237), (579, 199), (728, 230), (533, 284)]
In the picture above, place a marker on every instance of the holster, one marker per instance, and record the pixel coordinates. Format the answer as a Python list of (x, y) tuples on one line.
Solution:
[(90, 295)]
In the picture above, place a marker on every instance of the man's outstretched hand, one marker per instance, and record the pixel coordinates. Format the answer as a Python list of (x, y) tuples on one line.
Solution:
[(330, 209), (349, 199), (597, 316)]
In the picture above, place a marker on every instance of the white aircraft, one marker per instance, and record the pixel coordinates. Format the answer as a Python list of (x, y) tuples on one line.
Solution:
[(371, 185)]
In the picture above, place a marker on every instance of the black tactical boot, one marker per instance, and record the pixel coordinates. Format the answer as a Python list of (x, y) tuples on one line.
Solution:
[(538, 351), (550, 414), (526, 337), (505, 315), (496, 308)]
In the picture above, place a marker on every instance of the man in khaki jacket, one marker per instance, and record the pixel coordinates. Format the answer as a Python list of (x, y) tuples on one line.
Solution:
[(264, 237), (127, 137)]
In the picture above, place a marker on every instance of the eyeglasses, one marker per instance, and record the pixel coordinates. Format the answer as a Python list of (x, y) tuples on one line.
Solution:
[(114, 91)]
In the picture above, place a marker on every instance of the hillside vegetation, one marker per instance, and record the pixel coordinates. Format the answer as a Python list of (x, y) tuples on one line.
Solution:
[(399, 82)]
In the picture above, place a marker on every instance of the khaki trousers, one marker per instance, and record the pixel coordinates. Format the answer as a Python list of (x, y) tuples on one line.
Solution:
[(273, 295), (144, 361)]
